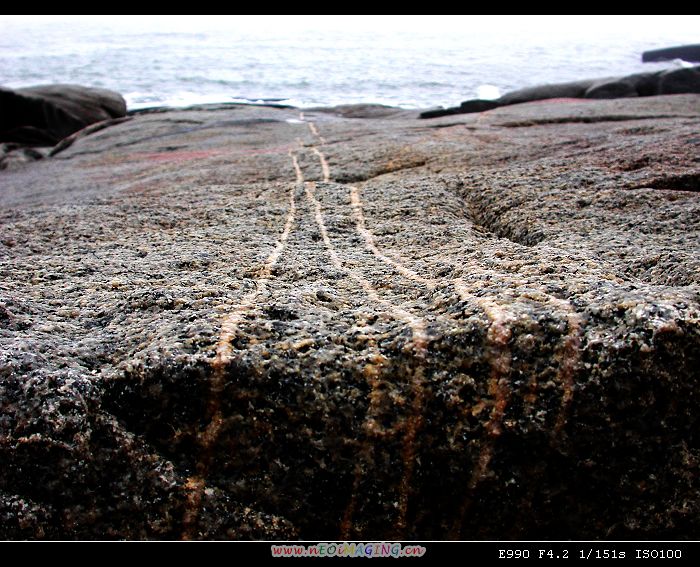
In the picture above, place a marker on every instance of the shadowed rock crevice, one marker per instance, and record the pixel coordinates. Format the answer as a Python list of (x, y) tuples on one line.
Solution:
[(393, 165), (584, 120), (589, 217), (487, 214), (680, 182), (496, 222)]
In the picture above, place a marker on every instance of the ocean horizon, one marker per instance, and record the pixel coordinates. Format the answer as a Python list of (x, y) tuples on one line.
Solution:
[(307, 61)]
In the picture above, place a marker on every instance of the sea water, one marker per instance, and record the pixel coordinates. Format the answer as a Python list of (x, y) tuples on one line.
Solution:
[(307, 61)]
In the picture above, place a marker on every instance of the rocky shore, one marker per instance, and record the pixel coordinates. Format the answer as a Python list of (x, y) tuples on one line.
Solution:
[(249, 322), (683, 80)]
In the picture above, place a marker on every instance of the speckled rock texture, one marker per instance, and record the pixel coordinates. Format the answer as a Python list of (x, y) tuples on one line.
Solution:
[(235, 322)]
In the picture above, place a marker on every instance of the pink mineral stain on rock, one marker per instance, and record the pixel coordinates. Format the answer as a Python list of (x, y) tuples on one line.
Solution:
[(180, 156)]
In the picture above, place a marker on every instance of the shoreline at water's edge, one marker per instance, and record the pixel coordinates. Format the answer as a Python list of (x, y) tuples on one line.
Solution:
[(224, 105)]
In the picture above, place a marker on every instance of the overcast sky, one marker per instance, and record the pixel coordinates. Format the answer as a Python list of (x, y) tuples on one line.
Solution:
[(683, 26)]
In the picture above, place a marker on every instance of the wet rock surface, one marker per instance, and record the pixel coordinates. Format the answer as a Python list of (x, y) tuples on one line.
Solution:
[(248, 322)]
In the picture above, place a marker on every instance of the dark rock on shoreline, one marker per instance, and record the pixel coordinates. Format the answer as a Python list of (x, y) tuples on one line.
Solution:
[(679, 81), (96, 127), (468, 106), (249, 322), (44, 115), (689, 53), (672, 81), (360, 110)]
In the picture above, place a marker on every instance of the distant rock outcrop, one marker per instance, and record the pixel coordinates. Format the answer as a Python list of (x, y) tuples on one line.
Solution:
[(685, 52), (672, 81), (44, 115), (468, 106)]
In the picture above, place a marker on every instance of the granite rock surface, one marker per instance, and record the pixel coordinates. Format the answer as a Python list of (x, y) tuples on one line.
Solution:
[(260, 323)]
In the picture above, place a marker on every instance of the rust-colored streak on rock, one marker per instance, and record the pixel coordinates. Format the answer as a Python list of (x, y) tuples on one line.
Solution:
[(371, 370), (414, 322), (498, 337), (371, 373), (315, 132), (297, 169), (569, 356), (412, 427), (346, 524), (324, 165), (418, 345), (371, 244), (194, 488), (310, 187), (322, 158), (220, 364)]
